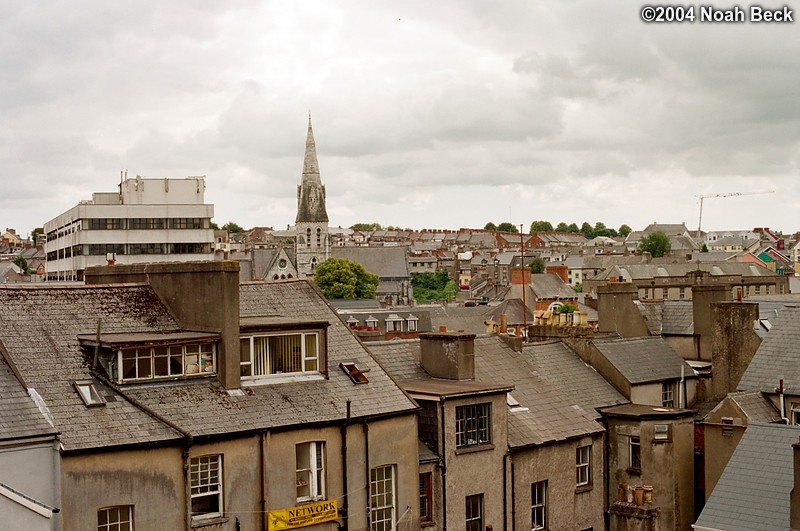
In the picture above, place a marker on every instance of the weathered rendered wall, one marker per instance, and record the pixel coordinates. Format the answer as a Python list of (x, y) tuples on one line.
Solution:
[(31, 469), (568, 506), (617, 312), (719, 447), (734, 343)]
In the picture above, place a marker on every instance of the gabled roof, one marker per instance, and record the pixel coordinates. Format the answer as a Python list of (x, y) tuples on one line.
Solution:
[(678, 318), (386, 262), (753, 491), (643, 359), (204, 409), (778, 356), (756, 406), (547, 415), (550, 286)]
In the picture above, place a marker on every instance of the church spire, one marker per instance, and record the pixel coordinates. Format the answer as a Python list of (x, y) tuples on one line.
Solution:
[(310, 164), (311, 192)]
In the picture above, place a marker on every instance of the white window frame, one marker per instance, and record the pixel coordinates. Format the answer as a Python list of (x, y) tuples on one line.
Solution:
[(248, 363), (195, 359), (310, 473), (117, 518), (473, 425), (661, 432), (205, 476), (474, 519), (394, 325), (539, 505), (668, 394), (382, 498), (413, 324), (583, 465)]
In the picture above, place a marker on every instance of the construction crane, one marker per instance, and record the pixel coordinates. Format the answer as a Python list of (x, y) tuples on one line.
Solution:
[(729, 194)]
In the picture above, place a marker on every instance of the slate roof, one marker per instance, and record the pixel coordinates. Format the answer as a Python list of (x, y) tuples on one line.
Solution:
[(643, 359), (561, 367), (550, 286), (755, 405), (653, 315), (20, 418), (550, 416), (753, 491), (386, 262), (647, 271), (457, 317), (40, 332), (778, 356), (678, 318), (282, 404)]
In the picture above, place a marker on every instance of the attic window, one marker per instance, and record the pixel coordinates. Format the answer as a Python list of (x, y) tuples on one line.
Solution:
[(88, 393), (355, 374), (727, 426)]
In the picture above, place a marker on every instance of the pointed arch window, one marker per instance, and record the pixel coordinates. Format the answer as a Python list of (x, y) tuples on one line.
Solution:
[(308, 237), (319, 236)]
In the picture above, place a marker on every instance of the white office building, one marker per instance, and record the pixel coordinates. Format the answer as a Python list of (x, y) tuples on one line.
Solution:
[(148, 220)]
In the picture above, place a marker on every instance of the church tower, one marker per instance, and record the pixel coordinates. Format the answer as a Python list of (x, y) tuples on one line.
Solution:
[(312, 240)]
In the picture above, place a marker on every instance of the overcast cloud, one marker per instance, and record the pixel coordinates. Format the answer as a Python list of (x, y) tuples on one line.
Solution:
[(426, 114)]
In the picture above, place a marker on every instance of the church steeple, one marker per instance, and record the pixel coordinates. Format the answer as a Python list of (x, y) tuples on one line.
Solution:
[(311, 192)]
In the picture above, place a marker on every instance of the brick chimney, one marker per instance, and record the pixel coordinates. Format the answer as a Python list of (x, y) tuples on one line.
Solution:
[(561, 270), (448, 355), (202, 296), (703, 295), (616, 311)]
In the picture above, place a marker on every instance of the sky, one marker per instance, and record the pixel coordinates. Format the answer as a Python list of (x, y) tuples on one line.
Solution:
[(442, 114)]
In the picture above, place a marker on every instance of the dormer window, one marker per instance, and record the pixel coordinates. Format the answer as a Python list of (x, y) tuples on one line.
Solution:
[(394, 323), (166, 361), (412, 323), (280, 353)]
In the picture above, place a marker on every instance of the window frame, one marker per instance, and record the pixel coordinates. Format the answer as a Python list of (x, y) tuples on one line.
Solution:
[(315, 471), (474, 519), (426, 497), (583, 465), (195, 471), (634, 453), (248, 363), (149, 352), (475, 419), (376, 508), (539, 505), (668, 394), (122, 519)]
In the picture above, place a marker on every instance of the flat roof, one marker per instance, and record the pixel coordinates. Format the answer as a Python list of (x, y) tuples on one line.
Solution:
[(440, 387)]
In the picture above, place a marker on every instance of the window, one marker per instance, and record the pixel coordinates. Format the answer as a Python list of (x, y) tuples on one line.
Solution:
[(727, 426), (665, 293), (206, 485), (167, 361), (381, 498), (425, 497), (758, 290), (119, 518), (583, 458), (682, 293), (795, 408), (310, 471), (472, 425), (668, 394), (475, 512), (661, 432), (394, 325), (539, 505), (89, 394), (412, 323), (280, 354), (634, 445)]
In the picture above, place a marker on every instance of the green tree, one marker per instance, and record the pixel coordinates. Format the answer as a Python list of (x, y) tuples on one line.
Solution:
[(704, 248), (507, 227), (232, 227), (36, 232), (624, 230), (541, 226), (562, 227), (342, 278), (578, 288), (367, 226), (656, 243), (214, 226), (537, 265), (433, 286), (573, 227), (490, 226), (587, 230), (22, 264)]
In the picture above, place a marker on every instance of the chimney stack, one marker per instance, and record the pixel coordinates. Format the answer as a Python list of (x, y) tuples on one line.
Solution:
[(449, 355)]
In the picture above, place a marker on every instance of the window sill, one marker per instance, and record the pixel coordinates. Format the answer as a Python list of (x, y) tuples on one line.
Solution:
[(475, 448), (253, 381), (634, 471), (427, 523), (580, 489), (199, 522)]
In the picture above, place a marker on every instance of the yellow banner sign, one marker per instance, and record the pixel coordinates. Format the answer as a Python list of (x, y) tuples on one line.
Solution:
[(303, 515)]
